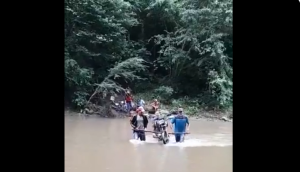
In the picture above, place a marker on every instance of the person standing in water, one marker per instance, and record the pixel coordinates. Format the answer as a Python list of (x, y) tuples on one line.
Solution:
[(139, 124), (181, 125)]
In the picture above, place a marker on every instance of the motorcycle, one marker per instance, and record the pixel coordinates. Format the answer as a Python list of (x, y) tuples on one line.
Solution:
[(160, 132), (120, 107)]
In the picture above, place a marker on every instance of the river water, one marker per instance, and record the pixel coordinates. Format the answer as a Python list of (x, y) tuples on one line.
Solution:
[(105, 145)]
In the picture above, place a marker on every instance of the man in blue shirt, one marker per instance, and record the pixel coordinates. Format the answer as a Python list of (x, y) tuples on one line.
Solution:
[(181, 125)]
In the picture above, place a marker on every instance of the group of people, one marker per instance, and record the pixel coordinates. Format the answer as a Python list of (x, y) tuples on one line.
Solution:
[(139, 123), (140, 103), (138, 119)]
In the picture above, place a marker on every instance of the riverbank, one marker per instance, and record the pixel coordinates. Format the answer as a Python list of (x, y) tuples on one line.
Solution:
[(203, 115), (191, 108), (214, 116)]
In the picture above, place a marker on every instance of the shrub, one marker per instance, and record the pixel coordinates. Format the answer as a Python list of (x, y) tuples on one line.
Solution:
[(164, 93)]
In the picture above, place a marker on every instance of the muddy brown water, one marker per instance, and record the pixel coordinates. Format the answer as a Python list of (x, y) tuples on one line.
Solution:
[(105, 145)]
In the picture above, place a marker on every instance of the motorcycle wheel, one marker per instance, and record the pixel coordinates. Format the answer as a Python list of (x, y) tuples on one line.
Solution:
[(165, 137)]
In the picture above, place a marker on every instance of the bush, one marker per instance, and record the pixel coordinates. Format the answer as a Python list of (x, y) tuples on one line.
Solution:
[(221, 88), (164, 93)]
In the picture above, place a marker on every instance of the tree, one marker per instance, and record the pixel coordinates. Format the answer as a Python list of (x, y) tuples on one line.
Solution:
[(95, 39), (184, 45)]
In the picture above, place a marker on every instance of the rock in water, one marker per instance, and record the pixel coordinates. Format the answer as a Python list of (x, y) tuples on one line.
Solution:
[(114, 113), (225, 118), (88, 111)]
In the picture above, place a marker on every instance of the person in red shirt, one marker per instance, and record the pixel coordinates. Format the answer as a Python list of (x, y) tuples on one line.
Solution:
[(128, 100)]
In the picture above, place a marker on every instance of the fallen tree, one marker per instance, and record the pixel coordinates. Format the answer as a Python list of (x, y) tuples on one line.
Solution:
[(126, 70)]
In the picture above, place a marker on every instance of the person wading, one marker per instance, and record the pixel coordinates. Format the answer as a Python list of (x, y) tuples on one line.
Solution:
[(181, 125), (139, 124)]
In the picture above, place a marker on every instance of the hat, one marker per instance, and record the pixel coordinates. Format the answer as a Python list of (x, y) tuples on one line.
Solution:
[(180, 109)]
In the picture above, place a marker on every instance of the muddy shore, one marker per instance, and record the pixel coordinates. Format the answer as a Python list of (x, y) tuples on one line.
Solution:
[(204, 115)]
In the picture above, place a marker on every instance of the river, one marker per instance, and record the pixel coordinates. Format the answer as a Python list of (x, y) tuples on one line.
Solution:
[(105, 145)]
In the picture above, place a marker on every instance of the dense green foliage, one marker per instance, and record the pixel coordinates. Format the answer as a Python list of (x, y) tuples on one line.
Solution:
[(174, 48)]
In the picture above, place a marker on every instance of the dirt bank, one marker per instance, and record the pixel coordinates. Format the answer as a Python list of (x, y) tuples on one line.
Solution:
[(214, 116), (203, 115)]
